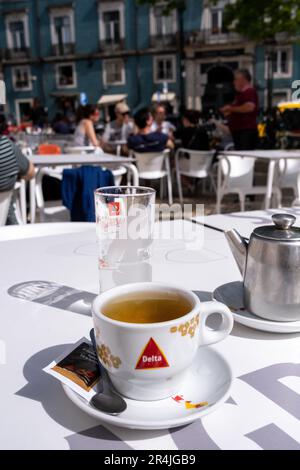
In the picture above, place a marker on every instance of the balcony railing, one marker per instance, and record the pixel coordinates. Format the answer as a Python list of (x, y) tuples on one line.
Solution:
[(22, 53), (210, 36), (110, 45), (166, 40), (63, 49)]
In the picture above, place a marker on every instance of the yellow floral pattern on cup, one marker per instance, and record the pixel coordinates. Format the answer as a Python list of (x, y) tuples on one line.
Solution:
[(107, 357), (187, 328)]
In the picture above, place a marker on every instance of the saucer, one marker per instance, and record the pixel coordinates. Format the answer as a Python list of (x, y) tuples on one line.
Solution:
[(206, 387), (231, 294)]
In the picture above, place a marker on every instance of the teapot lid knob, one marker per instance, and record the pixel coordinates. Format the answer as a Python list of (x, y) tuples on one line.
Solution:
[(283, 221)]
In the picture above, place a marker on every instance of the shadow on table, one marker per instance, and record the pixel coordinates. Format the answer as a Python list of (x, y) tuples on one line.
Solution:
[(54, 295), (239, 330), (263, 219), (86, 433)]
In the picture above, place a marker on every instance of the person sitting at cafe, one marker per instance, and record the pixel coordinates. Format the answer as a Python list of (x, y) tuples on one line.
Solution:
[(121, 128), (60, 124), (85, 135), (160, 123), (192, 135), (13, 166), (145, 140)]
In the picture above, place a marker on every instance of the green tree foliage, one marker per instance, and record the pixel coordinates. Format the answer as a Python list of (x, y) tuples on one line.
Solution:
[(255, 19), (263, 19)]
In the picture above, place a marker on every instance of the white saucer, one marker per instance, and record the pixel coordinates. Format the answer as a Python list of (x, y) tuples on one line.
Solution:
[(231, 294), (209, 380)]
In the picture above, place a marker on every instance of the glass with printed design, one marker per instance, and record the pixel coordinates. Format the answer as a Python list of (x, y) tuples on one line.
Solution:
[(125, 218)]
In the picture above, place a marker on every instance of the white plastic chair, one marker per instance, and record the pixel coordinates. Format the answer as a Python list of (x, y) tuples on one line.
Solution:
[(5, 199), (289, 177), (156, 166), (20, 203), (197, 165), (235, 176)]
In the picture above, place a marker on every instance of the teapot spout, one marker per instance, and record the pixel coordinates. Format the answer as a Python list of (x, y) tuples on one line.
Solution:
[(239, 248)]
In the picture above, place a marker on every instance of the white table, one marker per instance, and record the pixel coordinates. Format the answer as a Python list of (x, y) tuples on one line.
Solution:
[(273, 157), (245, 222), (263, 411), (41, 161)]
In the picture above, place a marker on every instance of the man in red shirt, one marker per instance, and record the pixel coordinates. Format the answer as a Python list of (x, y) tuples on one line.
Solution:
[(242, 113)]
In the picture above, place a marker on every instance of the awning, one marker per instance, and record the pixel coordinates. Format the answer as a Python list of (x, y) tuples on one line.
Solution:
[(157, 97), (111, 99), (65, 94), (288, 105)]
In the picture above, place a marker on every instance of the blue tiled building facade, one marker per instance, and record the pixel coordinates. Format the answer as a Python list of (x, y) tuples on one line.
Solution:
[(57, 49)]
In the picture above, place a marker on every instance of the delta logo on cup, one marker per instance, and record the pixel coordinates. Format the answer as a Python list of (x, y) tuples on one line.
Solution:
[(152, 357), (148, 335)]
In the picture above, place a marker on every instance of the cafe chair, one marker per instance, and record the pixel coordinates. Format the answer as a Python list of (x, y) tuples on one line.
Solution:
[(235, 176), (49, 149), (156, 166), (289, 177), (193, 164), (20, 202), (5, 198)]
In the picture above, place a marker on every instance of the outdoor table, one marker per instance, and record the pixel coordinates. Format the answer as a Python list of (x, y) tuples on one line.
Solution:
[(41, 161), (262, 412), (273, 157), (245, 222)]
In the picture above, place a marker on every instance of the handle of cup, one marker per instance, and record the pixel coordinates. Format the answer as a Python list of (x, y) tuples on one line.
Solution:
[(207, 335)]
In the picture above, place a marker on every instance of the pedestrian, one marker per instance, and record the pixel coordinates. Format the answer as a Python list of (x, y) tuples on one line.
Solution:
[(242, 113)]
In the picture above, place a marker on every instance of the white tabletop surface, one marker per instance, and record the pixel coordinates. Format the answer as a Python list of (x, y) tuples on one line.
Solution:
[(265, 154), (73, 159), (246, 222), (264, 408)]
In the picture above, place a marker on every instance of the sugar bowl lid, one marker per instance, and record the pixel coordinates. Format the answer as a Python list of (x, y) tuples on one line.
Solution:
[(282, 230)]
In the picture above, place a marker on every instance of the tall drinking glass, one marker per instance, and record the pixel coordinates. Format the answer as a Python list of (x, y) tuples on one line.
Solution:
[(125, 217)]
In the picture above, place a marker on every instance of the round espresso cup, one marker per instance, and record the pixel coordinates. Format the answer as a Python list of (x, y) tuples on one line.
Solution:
[(148, 361)]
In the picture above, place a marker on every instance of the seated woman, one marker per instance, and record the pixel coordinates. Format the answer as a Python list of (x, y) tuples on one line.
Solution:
[(85, 135)]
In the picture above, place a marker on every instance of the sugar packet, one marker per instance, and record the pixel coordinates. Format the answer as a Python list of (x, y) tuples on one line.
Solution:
[(78, 368)]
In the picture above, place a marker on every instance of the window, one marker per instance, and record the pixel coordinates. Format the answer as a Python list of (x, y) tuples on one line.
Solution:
[(283, 63), (217, 26), (111, 22), (17, 31), (164, 69), (21, 78), (114, 72), (17, 34), (160, 24), (66, 76), (62, 30)]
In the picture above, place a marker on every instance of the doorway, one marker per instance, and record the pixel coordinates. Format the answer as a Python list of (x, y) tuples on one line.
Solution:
[(23, 109), (219, 89)]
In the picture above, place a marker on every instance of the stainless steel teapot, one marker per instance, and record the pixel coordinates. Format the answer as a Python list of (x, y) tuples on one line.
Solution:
[(270, 266)]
